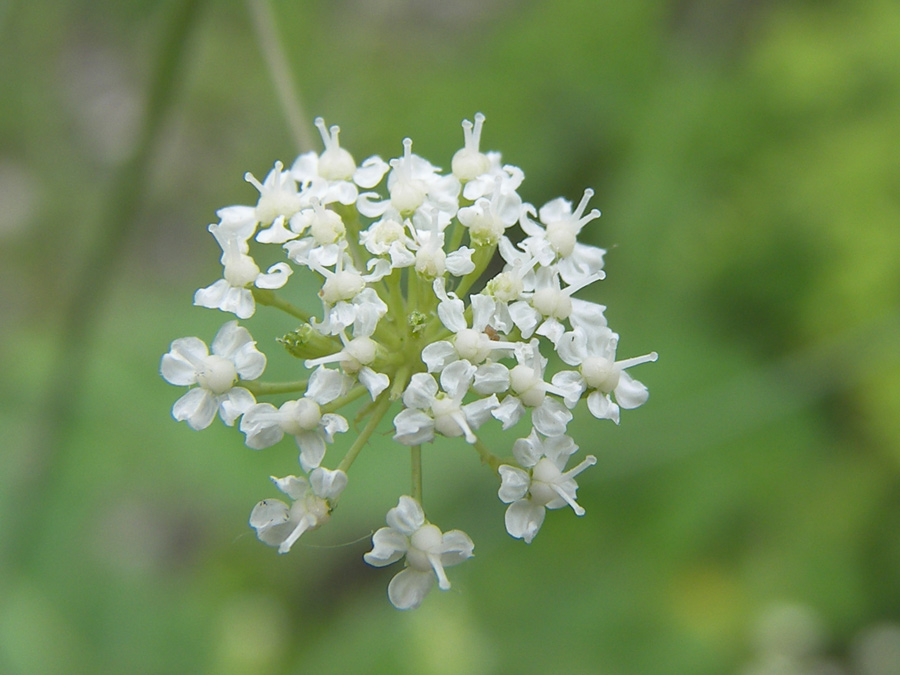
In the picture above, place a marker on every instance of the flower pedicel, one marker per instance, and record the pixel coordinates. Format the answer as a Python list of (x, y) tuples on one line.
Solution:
[(409, 321)]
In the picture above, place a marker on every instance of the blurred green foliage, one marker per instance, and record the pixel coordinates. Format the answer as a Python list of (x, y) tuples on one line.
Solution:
[(745, 156)]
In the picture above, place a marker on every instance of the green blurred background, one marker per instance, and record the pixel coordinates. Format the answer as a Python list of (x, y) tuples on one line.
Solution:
[(746, 157)]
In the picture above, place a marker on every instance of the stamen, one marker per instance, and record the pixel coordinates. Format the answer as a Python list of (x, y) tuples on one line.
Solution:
[(438, 567)]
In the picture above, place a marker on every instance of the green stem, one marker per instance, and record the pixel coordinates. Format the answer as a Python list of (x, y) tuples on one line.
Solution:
[(85, 298), (381, 407), (416, 458), (401, 379), (264, 388), (487, 457), (456, 235), (276, 60), (482, 257), (265, 296), (349, 397)]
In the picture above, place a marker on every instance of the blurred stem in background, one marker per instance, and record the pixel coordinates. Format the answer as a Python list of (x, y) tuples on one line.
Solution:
[(285, 86), (58, 406)]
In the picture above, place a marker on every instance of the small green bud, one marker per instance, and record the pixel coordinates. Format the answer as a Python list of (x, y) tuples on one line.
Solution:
[(417, 321)]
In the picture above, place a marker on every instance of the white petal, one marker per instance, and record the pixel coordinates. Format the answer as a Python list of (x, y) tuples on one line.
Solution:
[(491, 378), (588, 316), (332, 424), (450, 311), (438, 355), (271, 520), (528, 451), (456, 379), (184, 360), (552, 329), (630, 393), (328, 484), (456, 546), (260, 424), (482, 310), (249, 362), (370, 172), (413, 427), (213, 296), (277, 233), (478, 412), (602, 407), (230, 338), (238, 221), (407, 517), (325, 385), (409, 587), (198, 408), (571, 384), (275, 277), (420, 391), (551, 417), (509, 411), (555, 210), (525, 317), (514, 483), (312, 449), (293, 486), (388, 546), (558, 449), (459, 263), (374, 382), (524, 519), (235, 403)]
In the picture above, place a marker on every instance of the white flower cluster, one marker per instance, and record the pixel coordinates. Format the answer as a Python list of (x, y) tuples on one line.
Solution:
[(410, 318)]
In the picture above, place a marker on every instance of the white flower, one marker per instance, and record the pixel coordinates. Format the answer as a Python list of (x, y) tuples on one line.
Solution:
[(559, 241), (278, 524), (499, 185), (428, 242), (594, 353), (469, 162), (470, 344), (355, 358), (278, 195), (549, 305), (347, 300), (529, 390), (232, 292), (265, 425), (484, 220), (234, 357), (429, 410), (412, 183), (333, 175), (427, 550), (389, 236), (541, 485)]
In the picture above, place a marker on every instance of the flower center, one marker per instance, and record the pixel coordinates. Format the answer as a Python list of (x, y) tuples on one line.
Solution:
[(444, 410), (240, 270), (529, 388), (430, 263), (562, 237), (472, 345), (300, 416), (543, 476), (505, 287), (427, 539), (600, 373), (327, 227), (218, 374), (342, 286), (552, 302)]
